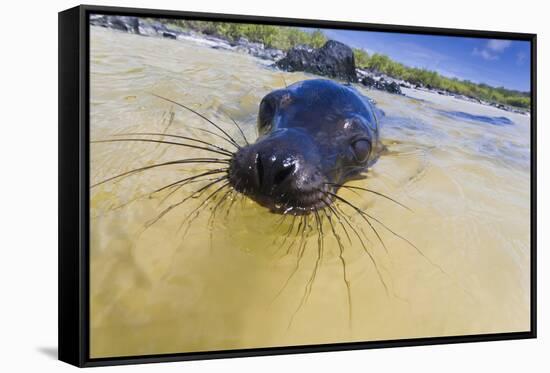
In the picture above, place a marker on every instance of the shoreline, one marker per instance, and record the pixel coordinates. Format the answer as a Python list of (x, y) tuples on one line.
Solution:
[(270, 56)]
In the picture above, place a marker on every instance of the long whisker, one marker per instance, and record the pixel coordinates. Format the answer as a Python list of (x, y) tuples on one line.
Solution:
[(371, 257), (341, 256), (287, 233), (366, 215), (377, 234), (184, 180), (174, 205), (282, 219), (371, 191), (309, 284), (176, 137), (349, 218), (240, 129), (214, 134), (150, 194), (163, 142), (320, 248), (233, 199), (363, 216), (212, 218), (405, 240), (172, 115), (335, 212), (200, 115), (175, 252), (163, 164), (298, 229), (197, 210), (301, 248), (213, 215)]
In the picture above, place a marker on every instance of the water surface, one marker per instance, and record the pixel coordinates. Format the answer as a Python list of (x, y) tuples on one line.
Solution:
[(217, 285)]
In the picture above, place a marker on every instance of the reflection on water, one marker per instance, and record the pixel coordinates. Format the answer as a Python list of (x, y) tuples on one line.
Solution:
[(496, 121), (216, 284)]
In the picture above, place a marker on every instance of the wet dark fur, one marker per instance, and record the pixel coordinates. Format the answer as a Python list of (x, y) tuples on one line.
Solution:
[(309, 135)]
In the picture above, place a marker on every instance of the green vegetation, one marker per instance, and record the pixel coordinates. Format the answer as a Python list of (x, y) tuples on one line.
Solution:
[(284, 38), (278, 37), (383, 64)]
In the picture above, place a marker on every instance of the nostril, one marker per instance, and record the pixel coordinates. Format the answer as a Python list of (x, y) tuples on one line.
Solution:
[(259, 169), (282, 174)]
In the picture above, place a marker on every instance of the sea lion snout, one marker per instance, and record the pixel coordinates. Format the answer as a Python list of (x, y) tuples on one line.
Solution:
[(280, 171)]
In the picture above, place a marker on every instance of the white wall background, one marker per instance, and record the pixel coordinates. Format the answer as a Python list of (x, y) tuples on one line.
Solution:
[(28, 187)]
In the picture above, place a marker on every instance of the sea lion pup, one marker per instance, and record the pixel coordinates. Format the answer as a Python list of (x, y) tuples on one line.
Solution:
[(313, 137)]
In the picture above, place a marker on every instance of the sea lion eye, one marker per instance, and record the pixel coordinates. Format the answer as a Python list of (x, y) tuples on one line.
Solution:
[(361, 150)]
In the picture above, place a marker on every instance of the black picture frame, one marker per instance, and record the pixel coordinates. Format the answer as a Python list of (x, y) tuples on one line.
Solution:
[(74, 186)]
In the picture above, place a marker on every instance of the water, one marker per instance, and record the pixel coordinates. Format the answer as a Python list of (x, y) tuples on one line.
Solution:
[(218, 285)]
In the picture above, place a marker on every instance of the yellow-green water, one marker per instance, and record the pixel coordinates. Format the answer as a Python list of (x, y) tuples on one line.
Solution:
[(218, 284)]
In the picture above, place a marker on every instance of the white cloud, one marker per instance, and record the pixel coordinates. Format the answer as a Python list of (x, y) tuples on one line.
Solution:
[(492, 49), (498, 45), (485, 54)]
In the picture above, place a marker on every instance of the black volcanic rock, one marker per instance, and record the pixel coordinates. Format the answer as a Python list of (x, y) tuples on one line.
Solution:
[(121, 23), (394, 88), (382, 85), (334, 59), (169, 35)]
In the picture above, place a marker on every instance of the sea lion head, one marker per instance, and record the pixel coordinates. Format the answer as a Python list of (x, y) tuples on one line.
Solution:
[(313, 136)]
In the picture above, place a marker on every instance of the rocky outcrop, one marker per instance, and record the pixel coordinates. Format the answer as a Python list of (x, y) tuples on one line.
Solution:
[(381, 84), (334, 59), (121, 23), (257, 49), (375, 80)]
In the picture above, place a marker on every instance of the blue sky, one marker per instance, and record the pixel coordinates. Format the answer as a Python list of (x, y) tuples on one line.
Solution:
[(494, 62)]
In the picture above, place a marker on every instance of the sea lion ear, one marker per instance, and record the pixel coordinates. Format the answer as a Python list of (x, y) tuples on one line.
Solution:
[(269, 106)]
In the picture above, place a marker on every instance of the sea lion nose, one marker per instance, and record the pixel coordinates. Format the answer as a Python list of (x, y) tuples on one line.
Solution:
[(274, 170)]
